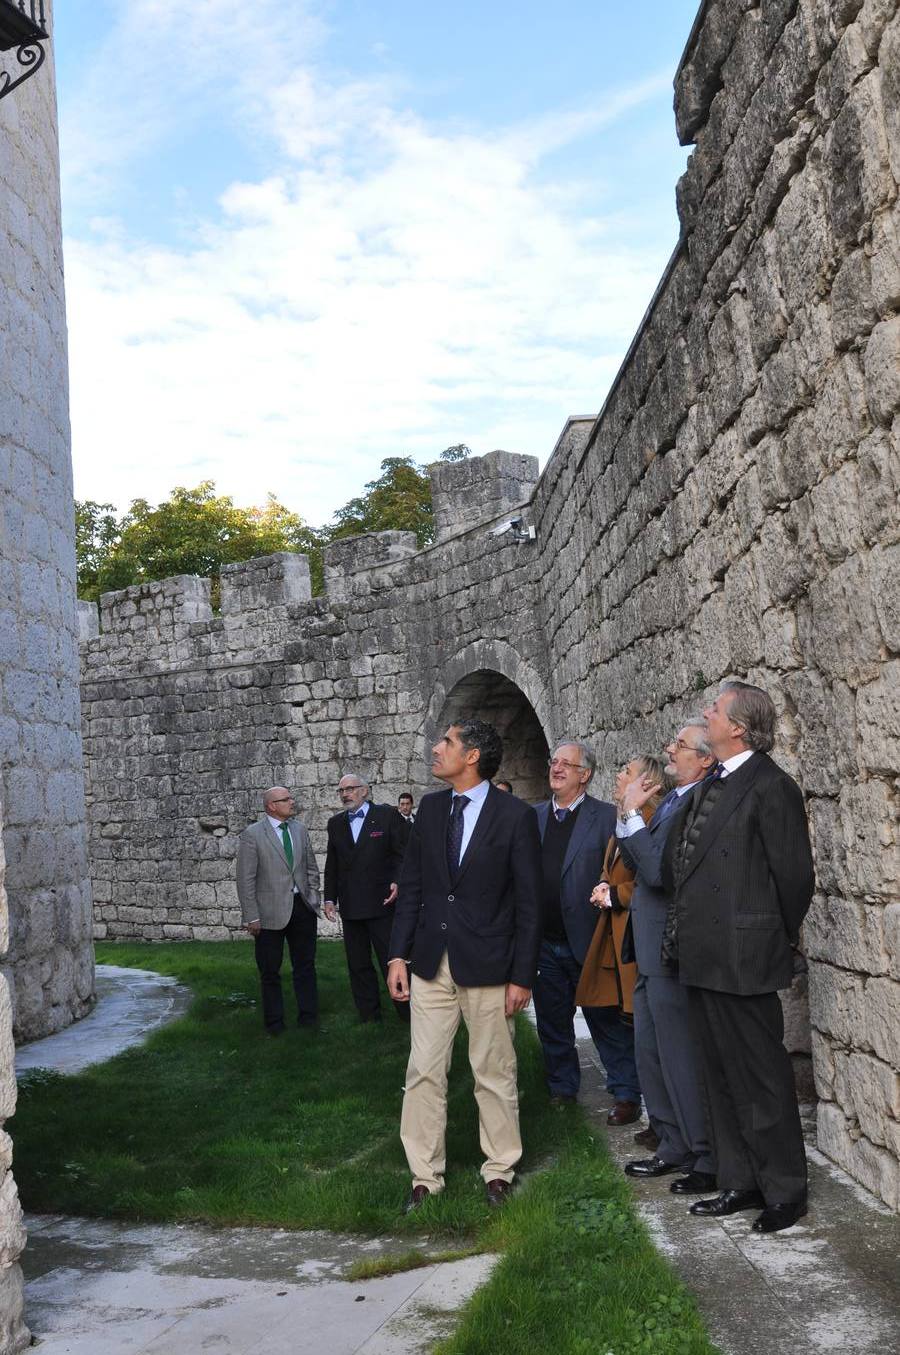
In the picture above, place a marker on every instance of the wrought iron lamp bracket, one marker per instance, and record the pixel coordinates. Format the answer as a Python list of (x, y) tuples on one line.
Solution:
[(23, 28)]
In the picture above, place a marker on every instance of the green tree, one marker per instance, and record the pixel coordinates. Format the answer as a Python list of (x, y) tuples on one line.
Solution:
[(194, 531), (458, 453), (399, 500), (96, 532)]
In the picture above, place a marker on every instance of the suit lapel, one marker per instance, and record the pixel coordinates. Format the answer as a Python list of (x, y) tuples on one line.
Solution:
[(485, 819), (735, 788), (585, 822), (269, 835), (543, 814)]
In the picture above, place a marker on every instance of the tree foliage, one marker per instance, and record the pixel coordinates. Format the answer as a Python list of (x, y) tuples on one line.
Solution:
[(194, 531), (197, 531)]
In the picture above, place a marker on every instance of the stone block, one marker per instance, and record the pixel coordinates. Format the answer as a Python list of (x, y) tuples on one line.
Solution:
[(882, 368)]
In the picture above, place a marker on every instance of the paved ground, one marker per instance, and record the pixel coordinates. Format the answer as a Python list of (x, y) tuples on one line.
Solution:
[(102, 1288), (130, 1004)]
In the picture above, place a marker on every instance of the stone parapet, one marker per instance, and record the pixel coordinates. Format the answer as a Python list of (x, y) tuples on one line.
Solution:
[(269, 581), (160, 609), (359, 564), (478, 489)]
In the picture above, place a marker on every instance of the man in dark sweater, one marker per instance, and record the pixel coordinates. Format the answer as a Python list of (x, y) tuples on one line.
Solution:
[(575, 829)]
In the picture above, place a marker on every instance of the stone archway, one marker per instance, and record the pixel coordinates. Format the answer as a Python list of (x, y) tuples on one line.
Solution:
[(490, 696), (491, 680)]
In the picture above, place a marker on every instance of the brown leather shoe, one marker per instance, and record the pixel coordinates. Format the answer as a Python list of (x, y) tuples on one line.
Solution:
[(624, 1112), (417, 1198), (647, 1139), (498, 1191)]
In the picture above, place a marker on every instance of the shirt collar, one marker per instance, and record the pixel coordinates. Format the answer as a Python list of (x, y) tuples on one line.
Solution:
[(683, 790), (276, 823), (731, 764), (569, 808), (476, 793), (364, 807)]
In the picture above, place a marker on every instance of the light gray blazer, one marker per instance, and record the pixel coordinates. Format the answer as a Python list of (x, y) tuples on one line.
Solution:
[(265, 885)]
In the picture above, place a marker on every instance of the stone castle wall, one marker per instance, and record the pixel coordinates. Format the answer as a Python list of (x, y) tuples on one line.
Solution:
[(46, 953), (50, 960), (732, 511)]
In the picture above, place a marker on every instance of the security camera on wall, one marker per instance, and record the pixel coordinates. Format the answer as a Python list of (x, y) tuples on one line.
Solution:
[(521, 531)]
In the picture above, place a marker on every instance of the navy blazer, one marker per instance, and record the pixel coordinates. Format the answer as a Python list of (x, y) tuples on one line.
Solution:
[(488, 916), (747, 886), (359, 875), (595, 824)]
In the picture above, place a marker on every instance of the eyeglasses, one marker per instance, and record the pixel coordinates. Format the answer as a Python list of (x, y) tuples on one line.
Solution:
[(341, 789), (560, 764), (688, 747), (281, 799)]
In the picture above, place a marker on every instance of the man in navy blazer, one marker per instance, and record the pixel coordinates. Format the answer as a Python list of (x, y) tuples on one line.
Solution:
[(668, 1058), (467, 921), (575, 830)]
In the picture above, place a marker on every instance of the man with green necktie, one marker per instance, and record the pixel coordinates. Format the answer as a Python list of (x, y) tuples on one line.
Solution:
[(278, 887)]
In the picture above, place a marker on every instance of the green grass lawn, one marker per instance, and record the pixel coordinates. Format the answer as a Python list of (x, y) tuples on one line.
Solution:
[(212, 1120)]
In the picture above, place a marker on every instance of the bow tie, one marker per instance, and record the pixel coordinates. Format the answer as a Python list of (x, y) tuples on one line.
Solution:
[(357, 814)]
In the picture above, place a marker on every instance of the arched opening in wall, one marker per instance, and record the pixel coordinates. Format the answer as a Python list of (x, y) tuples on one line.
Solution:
[(488, 695)]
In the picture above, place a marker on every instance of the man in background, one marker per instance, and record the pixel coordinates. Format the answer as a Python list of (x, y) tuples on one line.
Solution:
[(278, 889), (362, 866)]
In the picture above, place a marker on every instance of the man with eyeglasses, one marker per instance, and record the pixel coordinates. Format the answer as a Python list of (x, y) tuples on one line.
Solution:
[(667, 1055), (278, 888), (362, 866), (575, 829)]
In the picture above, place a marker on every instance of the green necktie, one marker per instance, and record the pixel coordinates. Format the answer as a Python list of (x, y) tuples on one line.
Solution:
[(288, 845)]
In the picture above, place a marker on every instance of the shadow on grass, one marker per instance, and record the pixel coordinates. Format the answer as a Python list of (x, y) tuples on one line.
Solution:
[(212, 1120)]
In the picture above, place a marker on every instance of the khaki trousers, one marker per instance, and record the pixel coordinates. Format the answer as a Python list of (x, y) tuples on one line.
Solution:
[(437, 1006)]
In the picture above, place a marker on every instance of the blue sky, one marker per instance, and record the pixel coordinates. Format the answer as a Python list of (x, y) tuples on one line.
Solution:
[(304, 236)]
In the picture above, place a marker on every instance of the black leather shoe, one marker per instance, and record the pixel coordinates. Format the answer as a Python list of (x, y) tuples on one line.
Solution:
[(729, 1202), (417, 1198), (695, 1183), (650, 1167), (777, 1216)]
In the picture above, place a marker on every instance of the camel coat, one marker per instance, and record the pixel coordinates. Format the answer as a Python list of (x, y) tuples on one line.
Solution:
[(606, 979)]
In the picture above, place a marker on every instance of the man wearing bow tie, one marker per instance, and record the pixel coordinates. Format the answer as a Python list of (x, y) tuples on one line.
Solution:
[(362, 866), (468, 922), (278, 888)]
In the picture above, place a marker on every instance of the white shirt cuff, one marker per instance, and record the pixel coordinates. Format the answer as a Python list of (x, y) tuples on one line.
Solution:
[(633, 824)]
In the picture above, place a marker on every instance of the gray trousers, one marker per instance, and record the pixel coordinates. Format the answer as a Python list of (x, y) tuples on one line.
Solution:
[(668, 1060)]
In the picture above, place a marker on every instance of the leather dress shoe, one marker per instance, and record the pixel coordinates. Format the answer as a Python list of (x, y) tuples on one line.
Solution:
[(624, 1112), (695, 1183), (647, 1139), (498, 1191), (649, 1167), (417, 1198), (562, 1099), (777, 1216), (729, 1202)]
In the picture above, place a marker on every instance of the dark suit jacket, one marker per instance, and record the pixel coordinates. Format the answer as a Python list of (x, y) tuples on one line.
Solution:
[(358, 876), (582, 868), (747, 886), (643, 851), (488, 917), (405, 827)]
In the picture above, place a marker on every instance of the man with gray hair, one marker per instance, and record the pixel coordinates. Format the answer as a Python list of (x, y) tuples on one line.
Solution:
[(575, 830), (278, 888), (667, 1058), (362, 866), (738, 867)]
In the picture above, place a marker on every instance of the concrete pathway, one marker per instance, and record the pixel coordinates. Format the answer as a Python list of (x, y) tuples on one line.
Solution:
[(130, 1004), (104, 1288), (830, 1283)]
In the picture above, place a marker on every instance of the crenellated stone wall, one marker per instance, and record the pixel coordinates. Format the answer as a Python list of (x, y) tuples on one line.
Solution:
[(732, 511)]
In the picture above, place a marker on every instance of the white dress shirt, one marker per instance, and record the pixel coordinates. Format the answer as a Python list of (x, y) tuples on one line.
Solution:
[(731, 764), (477, 796), (356, 825), (570, 808)]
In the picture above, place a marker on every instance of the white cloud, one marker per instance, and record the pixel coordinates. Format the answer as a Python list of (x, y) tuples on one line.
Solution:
[(393, 289)]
